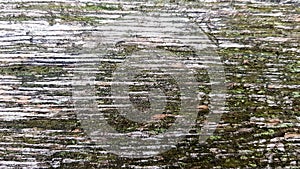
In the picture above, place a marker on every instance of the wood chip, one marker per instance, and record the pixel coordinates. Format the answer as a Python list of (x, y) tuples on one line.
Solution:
[(292, 135), (203, 107), (161, 116)]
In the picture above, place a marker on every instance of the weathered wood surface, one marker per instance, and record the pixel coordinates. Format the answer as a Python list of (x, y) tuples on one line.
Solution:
[(41, 40)]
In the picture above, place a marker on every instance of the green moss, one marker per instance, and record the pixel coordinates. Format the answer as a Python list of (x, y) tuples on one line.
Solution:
[(27, 70), (78, 18), (24, 70), (59, 124), (232, 163), (63, 11), (100, 7), (214, 137)]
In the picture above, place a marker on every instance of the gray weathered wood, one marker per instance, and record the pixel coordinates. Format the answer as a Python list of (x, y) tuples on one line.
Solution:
[(41, 40)]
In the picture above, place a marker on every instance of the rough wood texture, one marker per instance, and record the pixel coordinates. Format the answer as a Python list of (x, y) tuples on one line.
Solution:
[(41, 41)]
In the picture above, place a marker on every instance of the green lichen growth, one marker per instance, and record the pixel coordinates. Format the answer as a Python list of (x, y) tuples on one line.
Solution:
[(27, 70)]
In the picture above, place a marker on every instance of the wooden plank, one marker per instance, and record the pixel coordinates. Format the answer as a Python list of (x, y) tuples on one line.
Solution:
[(41, 41)]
